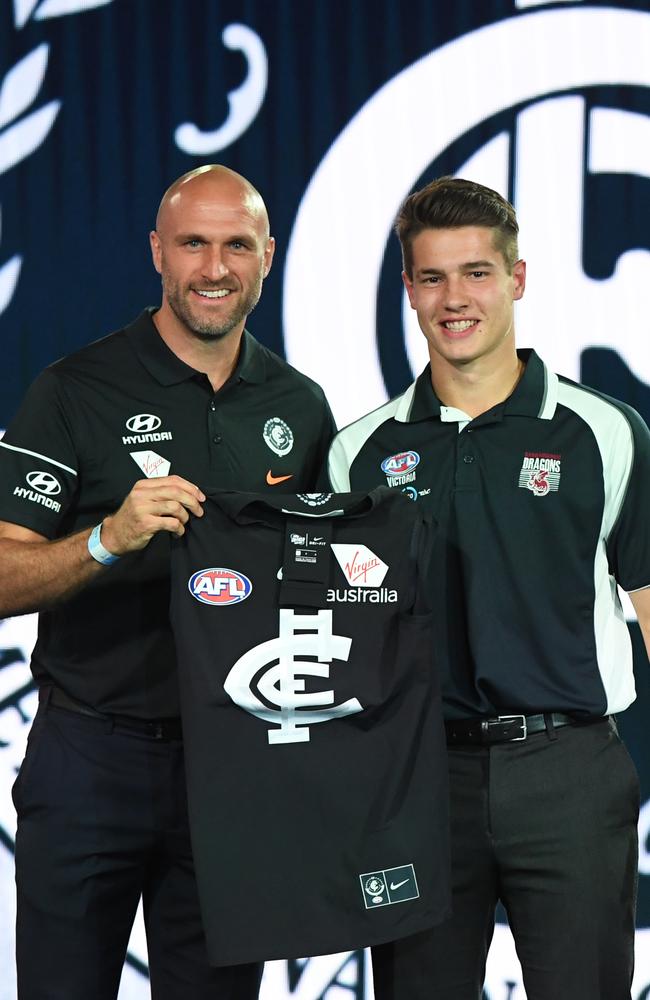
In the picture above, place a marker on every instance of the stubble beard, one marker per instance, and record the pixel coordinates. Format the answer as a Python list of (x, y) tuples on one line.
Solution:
[(203, 327)]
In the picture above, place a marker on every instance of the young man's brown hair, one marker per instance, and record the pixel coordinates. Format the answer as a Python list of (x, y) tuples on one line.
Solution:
[(451, 202)]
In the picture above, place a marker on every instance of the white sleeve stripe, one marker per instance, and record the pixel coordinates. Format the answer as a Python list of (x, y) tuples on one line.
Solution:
[(36, 454), (613, 435), (551, 390)]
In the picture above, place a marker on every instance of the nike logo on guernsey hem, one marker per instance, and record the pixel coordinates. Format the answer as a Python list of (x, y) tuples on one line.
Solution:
[(274, 480), (398, 885)]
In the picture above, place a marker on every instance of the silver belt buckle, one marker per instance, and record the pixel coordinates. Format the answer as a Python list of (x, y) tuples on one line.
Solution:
[(512, 718)]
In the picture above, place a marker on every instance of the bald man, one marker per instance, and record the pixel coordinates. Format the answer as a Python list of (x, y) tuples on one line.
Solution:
[(111, 454)]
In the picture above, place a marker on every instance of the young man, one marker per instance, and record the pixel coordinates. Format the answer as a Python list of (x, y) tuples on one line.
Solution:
[(541, 489), (110, 455)]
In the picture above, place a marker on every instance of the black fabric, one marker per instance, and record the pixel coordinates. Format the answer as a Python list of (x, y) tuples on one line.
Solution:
[(110, 646), (319, 725), (102, 820), (542, 504), (152, 729), (527, 827)]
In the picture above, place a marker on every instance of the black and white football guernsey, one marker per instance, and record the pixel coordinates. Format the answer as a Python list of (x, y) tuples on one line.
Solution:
[(315, 753)]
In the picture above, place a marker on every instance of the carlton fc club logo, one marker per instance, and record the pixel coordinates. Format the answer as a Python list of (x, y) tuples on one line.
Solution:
[(282, 683), (278, 436), (540, 473)]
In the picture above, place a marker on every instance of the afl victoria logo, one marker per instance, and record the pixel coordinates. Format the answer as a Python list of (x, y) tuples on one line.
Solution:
[(547, 132), (220, 587), (398, 465), (143, 423), (44, 482)]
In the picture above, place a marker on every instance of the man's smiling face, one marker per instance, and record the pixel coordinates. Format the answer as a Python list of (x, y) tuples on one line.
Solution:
[(463, 293), (213, 251)]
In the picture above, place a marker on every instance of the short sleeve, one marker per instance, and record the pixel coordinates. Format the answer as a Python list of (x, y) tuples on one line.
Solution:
[(628, 544), (38, 464)]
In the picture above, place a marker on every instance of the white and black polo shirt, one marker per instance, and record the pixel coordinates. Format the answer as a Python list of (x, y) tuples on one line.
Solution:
[(542, 507), (119, 410), (311, 713)]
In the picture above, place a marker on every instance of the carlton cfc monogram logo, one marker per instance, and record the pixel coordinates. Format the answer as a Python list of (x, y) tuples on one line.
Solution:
[(297, 709)]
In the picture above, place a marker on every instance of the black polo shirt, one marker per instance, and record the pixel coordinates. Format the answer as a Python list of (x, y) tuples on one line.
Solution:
[(119, 410), (542, 507)]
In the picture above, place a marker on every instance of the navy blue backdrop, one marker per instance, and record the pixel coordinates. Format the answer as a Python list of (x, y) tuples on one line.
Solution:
[(334, 109)]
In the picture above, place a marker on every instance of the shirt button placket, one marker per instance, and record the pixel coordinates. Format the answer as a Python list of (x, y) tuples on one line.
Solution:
[(215, 436), (466, 464)]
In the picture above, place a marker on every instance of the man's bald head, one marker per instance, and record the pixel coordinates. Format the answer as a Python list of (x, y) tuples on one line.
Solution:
[(212, 248), (212, 181)]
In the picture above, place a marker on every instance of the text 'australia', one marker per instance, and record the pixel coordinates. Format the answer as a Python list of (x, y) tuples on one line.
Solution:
[(360, 595)]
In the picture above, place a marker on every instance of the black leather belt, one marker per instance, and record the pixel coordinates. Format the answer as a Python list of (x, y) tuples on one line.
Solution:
[(153, 729), (509, 728)]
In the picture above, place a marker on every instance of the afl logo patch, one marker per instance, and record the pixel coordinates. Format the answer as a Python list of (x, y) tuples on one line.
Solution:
[(219, 586), (278, 436), (401, 464)]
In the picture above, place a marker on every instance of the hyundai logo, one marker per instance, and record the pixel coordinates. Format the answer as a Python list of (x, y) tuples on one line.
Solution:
[(143, 422), (44, 482)]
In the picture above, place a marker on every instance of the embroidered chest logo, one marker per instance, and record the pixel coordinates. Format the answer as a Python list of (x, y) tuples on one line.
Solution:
[(278, 436), (144, 429), (152, 464), (540, 472), (400, 469), (305, 646)]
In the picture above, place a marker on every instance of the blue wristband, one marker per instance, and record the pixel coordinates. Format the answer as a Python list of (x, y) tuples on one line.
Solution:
[(97, 550)]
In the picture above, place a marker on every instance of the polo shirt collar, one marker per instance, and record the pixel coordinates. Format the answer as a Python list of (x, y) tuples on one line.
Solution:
[(535, 395), (168, 369), (250, 508)]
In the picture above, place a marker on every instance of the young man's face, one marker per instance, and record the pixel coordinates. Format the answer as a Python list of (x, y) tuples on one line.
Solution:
[(463, 295)]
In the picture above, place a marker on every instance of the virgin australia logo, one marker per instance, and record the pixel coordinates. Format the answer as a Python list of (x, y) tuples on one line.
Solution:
[(283, 685), (361, 566)]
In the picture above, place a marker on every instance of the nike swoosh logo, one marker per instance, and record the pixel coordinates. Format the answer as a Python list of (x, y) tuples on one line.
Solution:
[(398, 885), (274, 480)]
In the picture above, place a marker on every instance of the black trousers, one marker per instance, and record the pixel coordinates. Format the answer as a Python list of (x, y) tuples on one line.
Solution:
[(549, 827), (102, 820)]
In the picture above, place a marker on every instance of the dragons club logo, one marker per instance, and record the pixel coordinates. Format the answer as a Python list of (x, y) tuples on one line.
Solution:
[(540, 473)]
